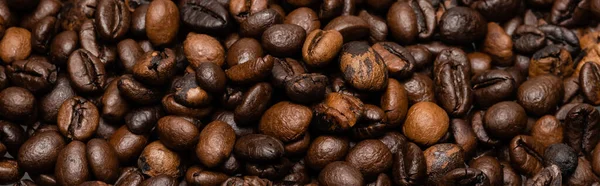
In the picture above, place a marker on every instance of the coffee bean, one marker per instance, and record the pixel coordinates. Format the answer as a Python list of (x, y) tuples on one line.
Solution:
[(86, 71), (351, 27), (257, 23), (399, 61), (162, 22), (321, 47), (51, 102), (130, 176), (241, 9), (370, 157), (112, 19), (127, 145), (547, 87), (346, 174), (253, 104), (528, 39), (258, 148), (583, 175), (62, 46), (337, 113), (526, 154), (273, 171), (562, 37), (42, 33), (93, 43), (78, 119), (40, 152), (548, 130), (461, 25), (286, 121), (216, 143), (425, 123), (141, 120), (197, 175), (129, 52), (451, 77), (251, 71), (581, 128), (505, 120), (326, 149), (362, 67), (10, 171), (156, 160), (15, 45), (177, 133), (36, 74), (441, 159), (499, 45), (283, 39), (211, 77), (72, 164), (103, 160), (17, 103), (158, 180), (305, 18), (155, 68), (174, 108), (138, 20), (137, 92), (588, 78), (378, 29), (550, 175), (492, 86), (470, 176), (204, 16), (200, 48), (420, 88), (551, 60), (114, 106), (306, 88)]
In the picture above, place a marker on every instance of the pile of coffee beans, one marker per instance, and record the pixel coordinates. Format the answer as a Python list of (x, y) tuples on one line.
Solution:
[(300, 92)]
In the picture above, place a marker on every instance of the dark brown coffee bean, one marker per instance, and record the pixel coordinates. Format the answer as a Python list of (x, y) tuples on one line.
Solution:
[(528, 39), (326, 149), (216, 143), (490, 167), (156, 160), (258, 148), (138, 92), (251, 71), (425, 123), (441, 159), (130, 176), (351, 27), (398, 60), (283, 39), (477, 123), (241, 9), (188, 93), (228, 117), (461, 25), (306, 88), (402, 22), (160, 180), (274, 171), (464, 136), (305, 18), (211, 77), (505, 120), (526, 154), (155, 68), (205, 16), (420, 88), (127, 145), (499, 45), (72, 164), (42, 32), (174, 108), (86, 71), (582, 128), (362, 67), (253, 104), (286, 121), (409, 166), (583, 175), (589, 78), (114, 106), (39, 153), (257, 23), (74, 13), (10, 171), (138, 20), (15, 45), (551, 60), (103, 160), (17, 104), (492, 86), (177, 133), (112, 19), (35, 74), (378, 29), (62, 46), (370, 157), (562, 37), (340, 173), (394, 102), (562, 156), (142, 120), (93, 43), (285, 70), (337, 113), (569, 12), (321, 47), (540, 95), (298, 147), (162, 22), (244, 50), (452, 79), (197, 175), (572, 90), (129, 53), (78, 119)]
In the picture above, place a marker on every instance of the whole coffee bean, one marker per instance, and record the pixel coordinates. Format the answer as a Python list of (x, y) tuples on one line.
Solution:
[(177, 132), (86, 71), (588, 81), (127, 145), (216, 143), (528, 39), (420, 88), (17, 103), (305, 18), (103, 160), (35, 74), (283, 39), (62, 46), (583, 175), (231, 165), (164, 180), (286, 69), (257, 23), (325, 150), (363, 68), (402, 22), (197, 175), (258, 148), (499, 45), (306, 88), (378, 29), (42, 33), (229, 118), (490, 167), (72, 164), (10, 171), (78, 119), (441, 159), (321, 47), (298, 147), (582, 128), (551, 60), (241, 9), (162, 22), (425, 123), (351, 27), (244, 50), (114, 106), (330, 9), (569, 13), (137, 92), (464, 136), (155, 68), (562, 156), (548, 130), (93, 43), (452, 79), (200, 48), (15, 45), (394, 102), (461, 25), (337, 113), (138, 21), (561, 36), (505, 120), (510, 176), (370, 157), (204, 16), (547, 87), (253, 104), (211, 77), (174, 108), (492, 86), (129, 52), (286, 121), (156, 159), (112, 19), (39, 153), (398, 60), (340, 173), (480, 62), (45, 8), (130, 176), (477, 124), (526, 154), (141, 120), (409, 166)]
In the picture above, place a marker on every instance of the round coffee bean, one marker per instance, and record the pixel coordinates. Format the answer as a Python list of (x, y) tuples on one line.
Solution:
[(371, 157), (15, 45), (216, 143), (162, 22), (156, 160), (426, 123), (200, 48), (17, 103), (363, 68), (286, 121), (177, 133)]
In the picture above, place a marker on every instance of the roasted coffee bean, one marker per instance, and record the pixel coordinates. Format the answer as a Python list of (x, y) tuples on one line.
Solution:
[(340, 173), (251, 71), (394, 102), (158, 180), (284, 70), (74, 13), (103, 160), (197, 175), (114, 106), (420, 88), (338, 112), (257, 23), (15, 45), (362, 67), (398, 60), (510, 176), (137, 92), (505, 120), (17, 103), (228, 117), (583, 175), (330, 9), (351, 27), (174, 108), (42, 33), (286, 121), (283, 39), (588, 82), (562, 156), (241, 9), (452, 79), (551, 60), (199, 48), (78, 119), (370, 157), (305, 18), (441, 159), (155, 68), (130, 176), (72, 164), (92, 43), (480, 62), (177, 132), (35, 74), (540, 95), (244, 50), (548, 130), (204, 16), (321, 47), (464, 136), (468, 176), (62, 46), (216, 143), (426, 123), (45, 179), (247, 180), (492, 86), (326, 149), (156, 159), (39, 153), (528, 39), (562, 37), (569, 13), (526, 154), (461, 25), (10, 171), (582, 128), (112, 19), (258, 148), (550, 175), (86, 71), (211, 77), (273, 171), (253, 104), (409, 166), (141, 120), (12, 137), (498, 11), (162, 22), (306, 88), (127, 145), (490, 167), (188, 93), (499, 45), (138, 21)]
